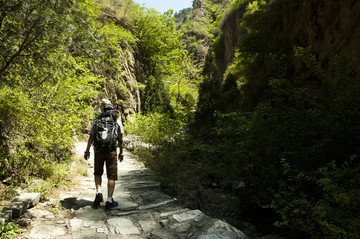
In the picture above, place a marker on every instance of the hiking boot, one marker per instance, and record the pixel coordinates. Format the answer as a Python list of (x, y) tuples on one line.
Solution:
[(110, 205), (98, 199)]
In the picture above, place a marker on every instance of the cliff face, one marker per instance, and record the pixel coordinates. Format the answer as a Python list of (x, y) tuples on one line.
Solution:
[(231, 32), (132, 102), (196, 36), (199, 28), (330, 27)]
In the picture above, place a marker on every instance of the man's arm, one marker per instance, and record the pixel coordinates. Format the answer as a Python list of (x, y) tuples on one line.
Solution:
[(87, 151), (121, 146)]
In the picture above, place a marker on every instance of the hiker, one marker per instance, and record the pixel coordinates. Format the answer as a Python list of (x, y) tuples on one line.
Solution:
[(106, 134)]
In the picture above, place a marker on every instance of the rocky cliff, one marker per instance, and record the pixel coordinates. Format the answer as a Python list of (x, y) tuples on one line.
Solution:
[(231, 32), (329, 27), (201, 26)]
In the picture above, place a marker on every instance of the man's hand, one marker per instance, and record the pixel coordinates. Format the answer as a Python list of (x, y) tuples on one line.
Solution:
[(121, 157), (86, 155)]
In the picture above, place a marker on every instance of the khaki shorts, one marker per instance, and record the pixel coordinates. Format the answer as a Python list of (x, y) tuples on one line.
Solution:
[(110, 159)]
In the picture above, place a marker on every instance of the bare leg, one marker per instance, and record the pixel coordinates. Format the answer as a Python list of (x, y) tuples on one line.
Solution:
[(111, 186), (98, 198), (97, 181)]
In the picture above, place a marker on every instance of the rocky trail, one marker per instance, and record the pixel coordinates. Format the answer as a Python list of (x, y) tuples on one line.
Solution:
[(143, 211)]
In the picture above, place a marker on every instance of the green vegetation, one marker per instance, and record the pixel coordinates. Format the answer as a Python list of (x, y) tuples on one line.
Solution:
[(9, 230), (58, 58), (46, 81), (294, 147), (182, 15)]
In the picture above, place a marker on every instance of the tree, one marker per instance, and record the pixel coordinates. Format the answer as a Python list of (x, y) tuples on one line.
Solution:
[(159, 55)]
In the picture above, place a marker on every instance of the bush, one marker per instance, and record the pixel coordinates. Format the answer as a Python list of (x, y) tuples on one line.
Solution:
[(156, 128), (329, 211), (9, 230)]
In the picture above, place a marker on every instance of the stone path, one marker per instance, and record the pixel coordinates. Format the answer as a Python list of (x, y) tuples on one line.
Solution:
[(143, 211)]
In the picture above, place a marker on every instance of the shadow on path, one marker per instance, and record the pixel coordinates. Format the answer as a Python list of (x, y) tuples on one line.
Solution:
[(74, 203)]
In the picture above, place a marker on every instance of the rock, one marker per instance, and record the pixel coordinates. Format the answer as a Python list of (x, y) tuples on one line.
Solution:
[(95, 225), (222, 230), (32, 198), (148, 226), (122, 226), (6, 216), (47, 231), (17, 208), (149, 206), (76, 224), (238, 185), (125, 205), (162, 234), (143, 186), (189, 215), (166, 214), (37, 213)]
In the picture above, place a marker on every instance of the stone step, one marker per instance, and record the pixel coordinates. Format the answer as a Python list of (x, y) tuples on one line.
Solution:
[(32, 198), (17, 208), (142, 186), (19, 205)]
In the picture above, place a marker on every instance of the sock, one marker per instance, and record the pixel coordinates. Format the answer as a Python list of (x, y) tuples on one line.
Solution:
[(98, 190), (110, 199)]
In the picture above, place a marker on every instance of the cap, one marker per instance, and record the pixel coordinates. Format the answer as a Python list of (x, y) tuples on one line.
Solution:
[(109, 107)]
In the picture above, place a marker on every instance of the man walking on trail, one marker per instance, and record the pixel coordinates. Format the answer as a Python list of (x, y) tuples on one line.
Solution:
[(106, 134)]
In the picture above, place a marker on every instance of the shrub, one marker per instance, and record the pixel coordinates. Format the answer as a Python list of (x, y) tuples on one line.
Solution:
[(9, 230)]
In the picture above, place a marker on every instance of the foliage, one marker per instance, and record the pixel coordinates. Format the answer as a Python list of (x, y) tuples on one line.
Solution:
[(331, 214), (182, 15), (9, 230), (156, 128), (160, 55), (295, 149), (200, 28), (54, 58), (46, 82), (121, 11)]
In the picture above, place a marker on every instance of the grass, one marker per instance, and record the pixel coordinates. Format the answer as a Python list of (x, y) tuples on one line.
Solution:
[(62, 175)]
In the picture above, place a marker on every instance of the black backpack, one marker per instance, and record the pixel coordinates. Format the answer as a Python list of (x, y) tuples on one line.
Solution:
[(105, 132)]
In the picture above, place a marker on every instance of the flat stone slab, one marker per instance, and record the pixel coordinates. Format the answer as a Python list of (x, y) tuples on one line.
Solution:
[(154, 196), (47, 231), (125, 205), (17, 208), (154, 205), (170, 213), (162, 234), (148, 226), (99, 226), (189, 215), (123, 226), (32, 198), (143, 186), (75, 224), (38, 213)]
